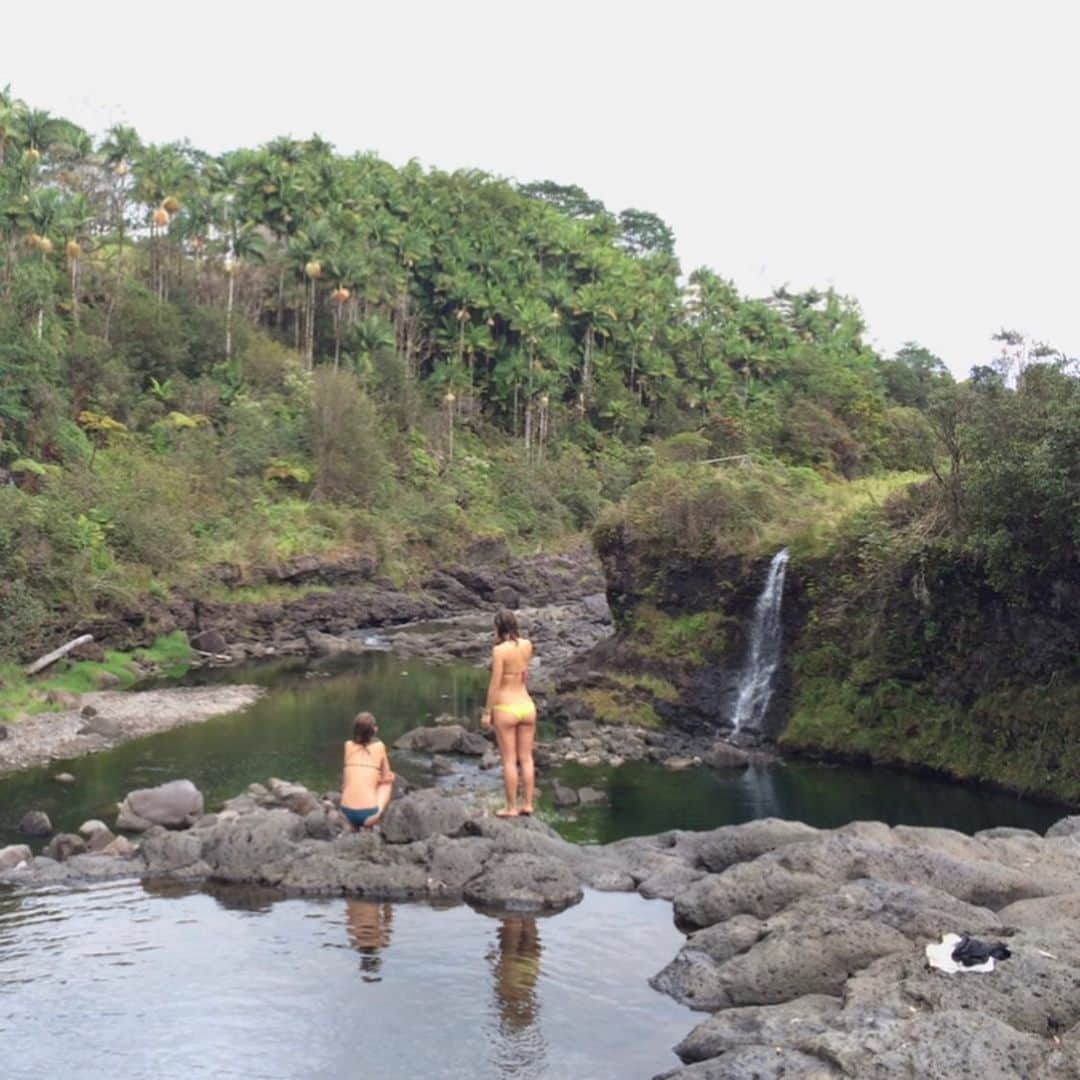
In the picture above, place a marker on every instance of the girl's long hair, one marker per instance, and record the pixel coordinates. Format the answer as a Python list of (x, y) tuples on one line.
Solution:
[(363, 728), (506, 626)]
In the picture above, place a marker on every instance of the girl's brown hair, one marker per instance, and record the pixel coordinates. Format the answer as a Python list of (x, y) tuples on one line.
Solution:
[(506, 626), (363, 728)]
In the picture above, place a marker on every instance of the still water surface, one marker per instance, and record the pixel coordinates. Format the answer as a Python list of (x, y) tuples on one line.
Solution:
[(118, 981)]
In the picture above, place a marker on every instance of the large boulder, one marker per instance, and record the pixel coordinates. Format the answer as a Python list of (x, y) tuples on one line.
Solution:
[(63, 845), (35, 823), (443, 739), (210, 641), (423, 814), (14, 855), (522, 882), (176, 804), (172, 854), (256, 848)]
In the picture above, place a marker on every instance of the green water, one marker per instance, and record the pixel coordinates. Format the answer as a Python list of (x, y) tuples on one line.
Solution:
[(296, 732)]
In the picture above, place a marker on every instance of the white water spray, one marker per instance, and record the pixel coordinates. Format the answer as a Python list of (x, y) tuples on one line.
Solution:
[(766, 637)]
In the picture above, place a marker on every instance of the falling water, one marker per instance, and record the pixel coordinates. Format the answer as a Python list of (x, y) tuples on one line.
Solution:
[(755, 682)]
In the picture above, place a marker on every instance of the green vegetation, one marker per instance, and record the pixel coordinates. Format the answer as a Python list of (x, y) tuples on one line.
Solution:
[(284, 350), (169, 655)]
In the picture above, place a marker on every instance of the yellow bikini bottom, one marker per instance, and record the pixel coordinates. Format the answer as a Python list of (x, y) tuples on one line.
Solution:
[(521, 710)]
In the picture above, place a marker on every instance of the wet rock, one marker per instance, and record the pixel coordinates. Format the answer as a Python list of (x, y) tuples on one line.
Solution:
[(564, 796), (63, 845), (523, 882), (441, 766), (35, 823), (14, 855), (588, 796), (107, 727), (210, 641), (423, 814), (168, 853), (256, 849), (1067, 826), (445, 739), (64, 778), (175, 804), (99, 840), (722, 755)]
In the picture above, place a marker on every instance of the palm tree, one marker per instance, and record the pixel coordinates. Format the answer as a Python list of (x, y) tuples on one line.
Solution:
[(74, 220)]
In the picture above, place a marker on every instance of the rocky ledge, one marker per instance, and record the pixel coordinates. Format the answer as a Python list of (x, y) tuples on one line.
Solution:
[(805, 946)]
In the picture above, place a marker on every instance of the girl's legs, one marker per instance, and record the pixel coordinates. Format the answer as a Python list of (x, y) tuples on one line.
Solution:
[(506, 734), (383, 794), (526, 734)]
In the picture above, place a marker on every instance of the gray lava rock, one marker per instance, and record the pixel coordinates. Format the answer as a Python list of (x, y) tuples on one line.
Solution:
[(14, 854), (256, 848), (1067, 826), (564, 796), (35, 823), (722, 755), (99, 840), (88, 828), (121, 847), (175, 804), (96, 724), (167, 853), (444, 739), (421, 815), (522, 882), (210, 641), (63, 845), (3, 732)]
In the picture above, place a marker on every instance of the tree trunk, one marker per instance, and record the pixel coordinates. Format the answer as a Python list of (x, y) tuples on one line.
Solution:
[(229, 314)]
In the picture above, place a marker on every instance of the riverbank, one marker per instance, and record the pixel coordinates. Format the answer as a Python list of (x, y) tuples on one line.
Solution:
[(806, 946), (104, 719)]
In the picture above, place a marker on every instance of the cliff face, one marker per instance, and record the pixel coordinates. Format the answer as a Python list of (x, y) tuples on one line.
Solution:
[(682, 626), (918, 663)]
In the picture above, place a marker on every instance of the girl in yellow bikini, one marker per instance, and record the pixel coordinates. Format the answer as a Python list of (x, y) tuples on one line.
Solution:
[(512, 712)]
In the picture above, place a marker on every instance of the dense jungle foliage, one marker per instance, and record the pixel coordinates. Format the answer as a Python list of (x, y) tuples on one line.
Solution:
[(237, 358)]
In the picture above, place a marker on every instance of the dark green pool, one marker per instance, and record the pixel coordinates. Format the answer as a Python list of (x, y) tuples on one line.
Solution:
[(296, 732)]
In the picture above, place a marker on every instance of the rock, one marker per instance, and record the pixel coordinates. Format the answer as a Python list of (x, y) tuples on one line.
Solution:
[(99, 840), (446, 718), (303, 803), (90, 650), (521, 882), (256, 849), (1043, 911), (759, 1063), (35, 823), (1067, 826), (564, 796), (87, 711), (441, 766), (210, 641), (491, 759), (588, 796), (63, 845), (175, 804), (506, 597), (421, 815), (723, 847), (722, 755), (446, 739), (3, 732), (580, 729), (62, 698), (106, 680), (64, 778), (454, 862), (168, 853), (14, 855), (88, 828), (677, 764), (121, 848), (96, 724)]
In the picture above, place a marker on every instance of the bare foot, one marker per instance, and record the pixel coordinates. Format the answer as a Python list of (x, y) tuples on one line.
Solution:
[(506, 813), (526, 811)]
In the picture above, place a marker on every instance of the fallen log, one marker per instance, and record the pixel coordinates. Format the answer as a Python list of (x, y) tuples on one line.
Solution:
[(50, 658)]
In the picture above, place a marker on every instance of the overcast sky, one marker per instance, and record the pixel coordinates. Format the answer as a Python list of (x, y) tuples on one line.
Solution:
[(917, 156)]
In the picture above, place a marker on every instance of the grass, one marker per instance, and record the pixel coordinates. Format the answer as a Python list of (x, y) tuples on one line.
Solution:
[(616, 707), (21, 695)]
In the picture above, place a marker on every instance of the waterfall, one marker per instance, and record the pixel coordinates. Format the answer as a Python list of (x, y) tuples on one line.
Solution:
[(766, 636)]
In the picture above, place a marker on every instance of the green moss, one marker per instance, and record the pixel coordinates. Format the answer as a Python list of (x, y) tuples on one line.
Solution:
[(689, 640), (649, 684), (610, 706)]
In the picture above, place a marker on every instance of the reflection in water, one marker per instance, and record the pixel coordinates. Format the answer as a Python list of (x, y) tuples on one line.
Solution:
[(368, 923), (519, 1048)]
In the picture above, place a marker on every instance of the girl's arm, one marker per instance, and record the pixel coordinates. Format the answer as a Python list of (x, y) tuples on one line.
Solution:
[(386, 774), (493, 686)]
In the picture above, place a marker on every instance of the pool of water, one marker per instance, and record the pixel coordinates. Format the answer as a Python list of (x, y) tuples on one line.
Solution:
[(121, 981), (296, 732)]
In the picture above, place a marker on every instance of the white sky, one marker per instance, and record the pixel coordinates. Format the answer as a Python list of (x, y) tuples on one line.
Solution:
[(917, 156)]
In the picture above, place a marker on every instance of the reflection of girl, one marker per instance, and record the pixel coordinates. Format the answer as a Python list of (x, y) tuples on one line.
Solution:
[(367, 782), (512, 711), (368, 926), (516, 970)]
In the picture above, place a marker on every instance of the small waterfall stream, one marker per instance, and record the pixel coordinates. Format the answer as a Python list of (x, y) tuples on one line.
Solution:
[(766, 637)]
